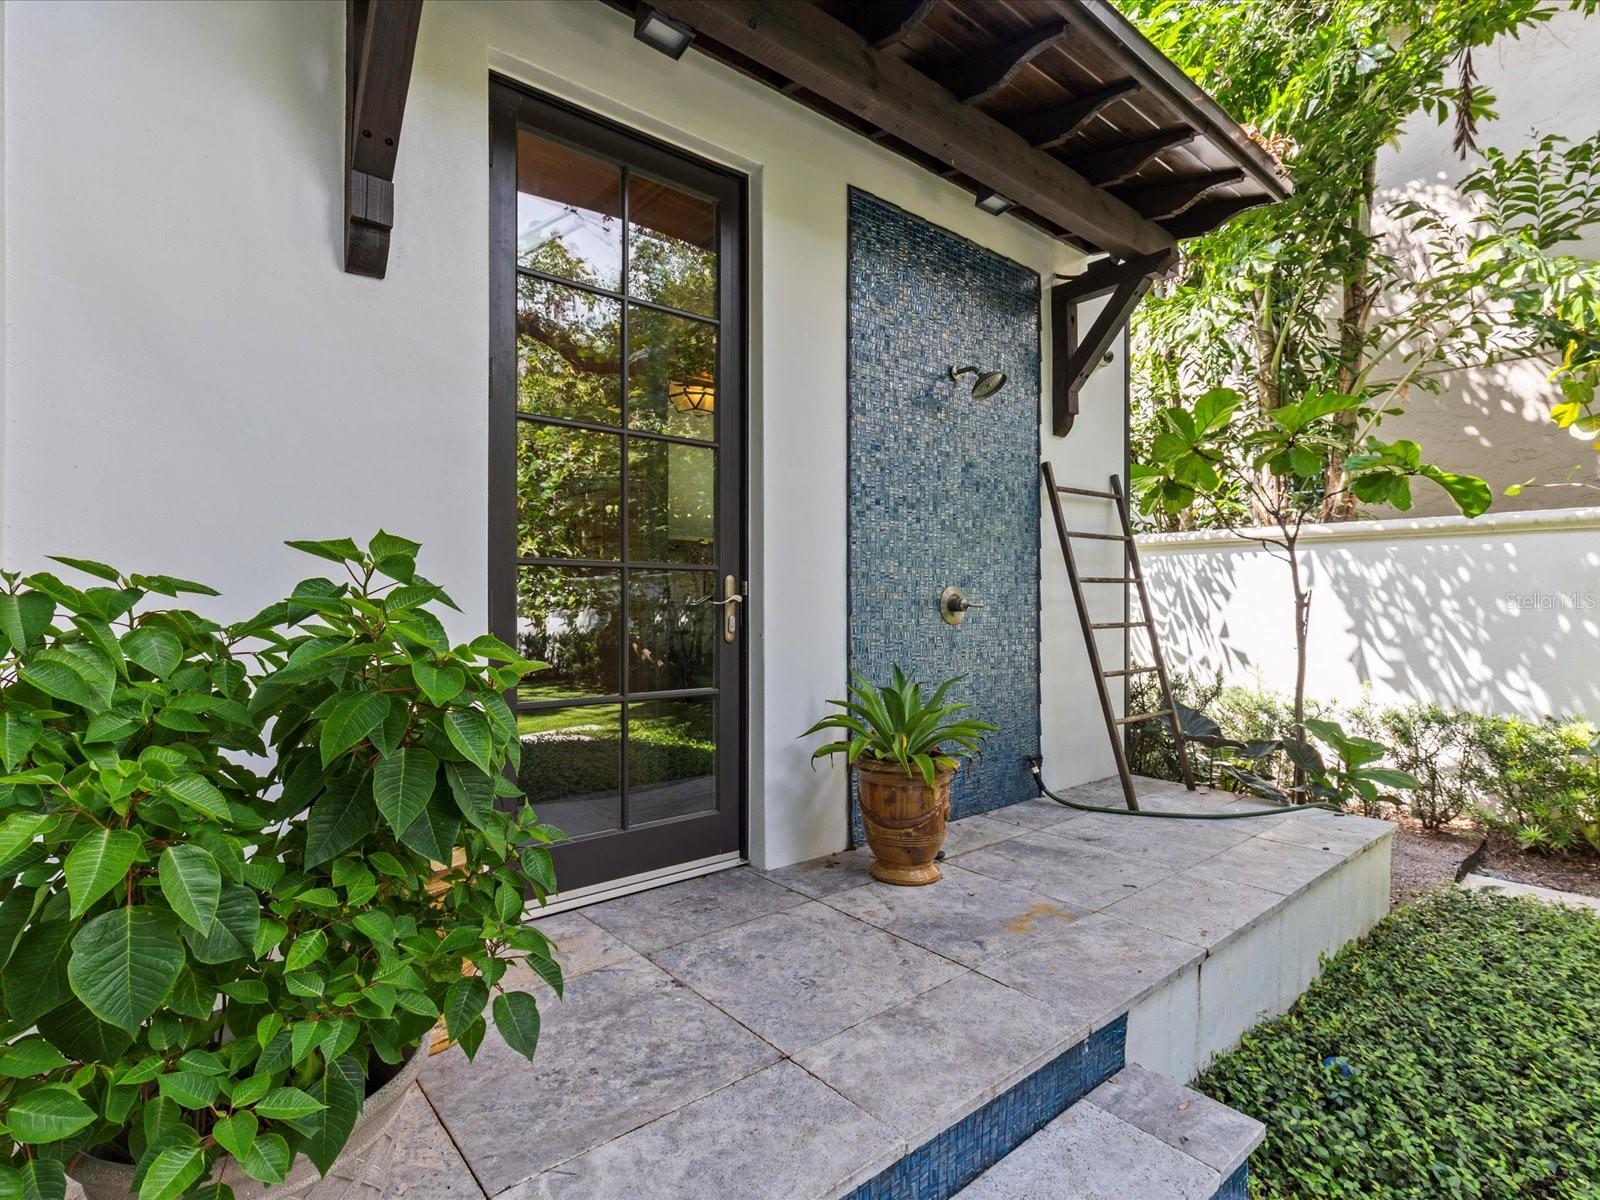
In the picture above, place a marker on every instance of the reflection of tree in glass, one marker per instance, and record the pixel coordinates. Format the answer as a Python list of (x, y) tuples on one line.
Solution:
[(568, 481)]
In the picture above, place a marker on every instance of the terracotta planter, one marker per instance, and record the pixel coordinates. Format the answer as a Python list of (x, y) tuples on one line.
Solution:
[(102, 1180), (904, 819)]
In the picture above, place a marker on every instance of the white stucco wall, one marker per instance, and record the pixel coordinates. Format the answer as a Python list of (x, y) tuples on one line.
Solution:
[(1495, 422), (190, 376), (1497, 615)]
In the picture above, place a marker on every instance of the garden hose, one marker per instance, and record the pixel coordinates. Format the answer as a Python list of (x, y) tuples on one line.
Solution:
[(1036, 768)]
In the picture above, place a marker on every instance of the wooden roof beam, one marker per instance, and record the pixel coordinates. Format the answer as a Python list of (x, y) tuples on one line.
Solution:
[(1052, 126), (883, 23), (380, 43), (977, 77), (803, 43), (1163, 200), (1117, 163)]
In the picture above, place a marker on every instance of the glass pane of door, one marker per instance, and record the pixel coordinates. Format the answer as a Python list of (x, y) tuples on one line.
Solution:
[(627, 557)]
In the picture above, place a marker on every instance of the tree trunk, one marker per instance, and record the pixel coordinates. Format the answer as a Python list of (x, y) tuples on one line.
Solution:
[(1355, 316), (1302, 631)]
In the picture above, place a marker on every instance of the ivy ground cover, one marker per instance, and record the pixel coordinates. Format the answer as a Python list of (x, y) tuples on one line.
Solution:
[(1452, 1054)]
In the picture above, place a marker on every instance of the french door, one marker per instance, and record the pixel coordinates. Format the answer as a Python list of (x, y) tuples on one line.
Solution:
[(617, 484)]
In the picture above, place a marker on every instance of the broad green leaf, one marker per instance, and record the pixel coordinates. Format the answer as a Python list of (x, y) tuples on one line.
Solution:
[(1471, 494), (156, 650), (341, 817), (35, 980), (403, 784), (56, 679), (48, 1114), (339, 550), (464, 1000), (172, 1172), (439, 684), (89, 567), (18, 831), (468, 731), (98, 863), (23, 616), (287, 1103), (43, 1179), (188, 1089), (351, 720), (473, 792), (80, 1035), (19, 731), (29, 1057), (268, 1159), (233, 934), (516, 1016), (236, 1134), (192, 884), (548, 970), (340, 1090), (123, 964), (200, 794), (434, 832), (307, 949)]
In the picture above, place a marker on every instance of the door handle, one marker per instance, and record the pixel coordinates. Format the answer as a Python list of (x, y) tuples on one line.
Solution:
[(730, 600), (730, 608)]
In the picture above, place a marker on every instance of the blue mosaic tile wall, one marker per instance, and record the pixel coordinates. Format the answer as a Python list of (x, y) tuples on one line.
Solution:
[(942, 1167), (944, 489)]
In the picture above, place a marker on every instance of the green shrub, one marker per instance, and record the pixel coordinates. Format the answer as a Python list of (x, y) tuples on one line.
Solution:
[(1449, 1056), (1538, 782), (1435, 746), (200, 961)]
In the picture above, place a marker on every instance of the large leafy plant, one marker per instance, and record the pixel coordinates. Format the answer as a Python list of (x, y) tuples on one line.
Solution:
[(1262, 472), (894, 724), (205, 957)]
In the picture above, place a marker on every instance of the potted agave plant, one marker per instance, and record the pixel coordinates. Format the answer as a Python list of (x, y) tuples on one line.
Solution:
[(905, 750), (215, 981)]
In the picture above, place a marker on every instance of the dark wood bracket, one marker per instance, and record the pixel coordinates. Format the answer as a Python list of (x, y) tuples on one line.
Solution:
[(1073, 359), (976, 78), (380, 44), (1052, 126), (883, 23)]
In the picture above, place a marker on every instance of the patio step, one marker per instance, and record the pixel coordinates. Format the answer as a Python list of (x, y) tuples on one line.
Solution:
[(1137, 1136)]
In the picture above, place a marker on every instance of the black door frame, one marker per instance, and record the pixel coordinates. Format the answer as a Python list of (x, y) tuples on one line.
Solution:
[(673, 842)]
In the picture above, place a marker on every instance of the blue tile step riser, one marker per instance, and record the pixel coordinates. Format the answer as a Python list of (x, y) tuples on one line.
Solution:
[(941, 1167), (1236, 1186)]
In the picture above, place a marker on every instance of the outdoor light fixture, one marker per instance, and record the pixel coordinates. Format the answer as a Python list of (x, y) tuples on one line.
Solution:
[(985, 385), (698, 393), (993, 203), (670, 37)]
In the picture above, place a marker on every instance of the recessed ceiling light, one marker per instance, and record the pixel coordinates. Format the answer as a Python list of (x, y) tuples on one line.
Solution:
[(993, 202), (670, 37)]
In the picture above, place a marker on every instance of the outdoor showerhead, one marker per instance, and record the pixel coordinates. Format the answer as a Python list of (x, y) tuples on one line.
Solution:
[(985, 385)]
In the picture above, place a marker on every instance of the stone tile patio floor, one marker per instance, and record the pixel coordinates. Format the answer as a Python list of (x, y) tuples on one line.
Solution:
[(789, 1034)]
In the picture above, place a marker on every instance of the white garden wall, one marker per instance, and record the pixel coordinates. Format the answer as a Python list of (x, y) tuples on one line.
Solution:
[(190, 376), (1496, 615)]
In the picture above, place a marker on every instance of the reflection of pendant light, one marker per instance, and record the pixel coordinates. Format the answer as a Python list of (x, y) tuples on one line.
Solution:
[(698, 393)]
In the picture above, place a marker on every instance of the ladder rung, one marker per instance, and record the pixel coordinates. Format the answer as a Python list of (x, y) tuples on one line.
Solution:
[(1103, 537), (1118, 624), (1131, 671), (1108, 579), (1149, 716), (1076, 491)]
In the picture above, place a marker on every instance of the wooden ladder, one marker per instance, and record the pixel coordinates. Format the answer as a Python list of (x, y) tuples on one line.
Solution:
[(1134, 575)]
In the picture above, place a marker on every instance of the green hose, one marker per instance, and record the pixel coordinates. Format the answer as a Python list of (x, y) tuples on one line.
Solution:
[(1036, 766)]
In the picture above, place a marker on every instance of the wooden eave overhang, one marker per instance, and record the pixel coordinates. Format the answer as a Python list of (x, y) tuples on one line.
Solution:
[(1061, 106)]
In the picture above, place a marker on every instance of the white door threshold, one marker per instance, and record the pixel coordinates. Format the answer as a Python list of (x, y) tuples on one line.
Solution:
[(612, 888)]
